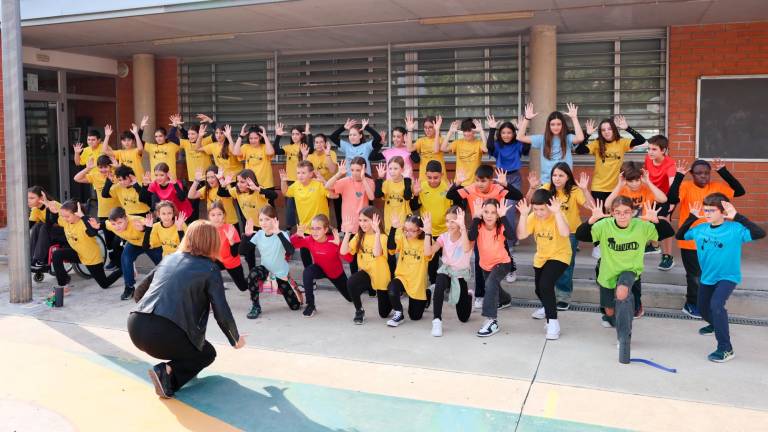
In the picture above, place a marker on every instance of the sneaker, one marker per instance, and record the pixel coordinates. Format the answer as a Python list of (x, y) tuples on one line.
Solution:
[(707, 330), (651, 249), (501, 306), (640, 312), (511, 276), (478, 303), (691, 310), (127, 293), (667, 262), (539, 313), (38, 265), (553, 330), (596, 252), (254, 312), (161, 380), (489, 328), (309, 311), (396, 320), (371, 292), (110, 265), (721, 356), (359, 317), (437, 327), (607, 321), (563, 306), (429, 295)]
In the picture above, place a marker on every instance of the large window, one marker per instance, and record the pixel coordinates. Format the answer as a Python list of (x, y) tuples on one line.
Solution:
[(235, 92)]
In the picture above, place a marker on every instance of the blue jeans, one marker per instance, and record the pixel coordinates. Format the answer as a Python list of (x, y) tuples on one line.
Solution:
[(564, 285), (513, 179), (711, 302), (130, 253)]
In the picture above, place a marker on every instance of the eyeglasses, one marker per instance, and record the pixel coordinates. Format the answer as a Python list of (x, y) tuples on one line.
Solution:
[(709, 210), (317, 228)]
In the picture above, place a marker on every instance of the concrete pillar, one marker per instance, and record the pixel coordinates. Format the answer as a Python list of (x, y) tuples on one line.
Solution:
[(144, 92), (543, 79)]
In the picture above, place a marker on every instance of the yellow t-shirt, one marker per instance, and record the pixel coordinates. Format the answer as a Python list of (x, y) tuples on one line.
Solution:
[(257, 160), (196, 160), (412, 266), (376, 267), (130, 233), (128, 199), (250, 204), (394, 202), (311, 200), (468, 156), (292, 154), (434, 202), (550, 245), (231, 165), (211, 194), (87, 247), (606, 172), (37, 214), (97, 179), (131, 158), (162, 153), (90, 153), (570, 206), (318, 161), (165, 237), (426, 148)]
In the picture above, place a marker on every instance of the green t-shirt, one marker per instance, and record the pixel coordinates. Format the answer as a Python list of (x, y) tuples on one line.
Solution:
[(622, 249)]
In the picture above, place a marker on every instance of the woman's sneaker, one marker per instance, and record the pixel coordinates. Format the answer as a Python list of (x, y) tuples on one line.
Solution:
[(309, 311), (127, 293), (667, 262), (437, 327), (553, 330), (478, 303), (511, 277), (490, 328), (539, 313), (254, 312), (563, 306), (707, 330), (721, 356), (396, 320), (359, 317)]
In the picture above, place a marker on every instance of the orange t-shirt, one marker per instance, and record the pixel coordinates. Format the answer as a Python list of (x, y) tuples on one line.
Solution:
[(639, 197), (690, 193), (490, 245), (225, 256)]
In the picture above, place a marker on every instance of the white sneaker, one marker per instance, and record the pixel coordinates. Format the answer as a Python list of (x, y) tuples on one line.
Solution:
[(553, 329), (478, 303), (596, 252), (437, 327), (489, 328), (539, 313), (511, 277), (396, 320)]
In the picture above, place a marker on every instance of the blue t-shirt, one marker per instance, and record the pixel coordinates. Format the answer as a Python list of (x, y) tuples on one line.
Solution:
[(272, 253), (537, 142), (352, 151), (508, 155), (719, 250)]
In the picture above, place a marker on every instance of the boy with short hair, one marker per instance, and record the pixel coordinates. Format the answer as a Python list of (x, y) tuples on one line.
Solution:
[(132, 152), (132, 195), (468, 149), (661, 170)]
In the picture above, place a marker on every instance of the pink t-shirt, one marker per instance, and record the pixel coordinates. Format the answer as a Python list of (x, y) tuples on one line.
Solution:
[(402, 152), (169, 194), (353, 197), (490, 245), (454, 255)]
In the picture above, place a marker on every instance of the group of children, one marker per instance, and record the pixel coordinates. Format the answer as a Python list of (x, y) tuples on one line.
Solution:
[(478, 216)]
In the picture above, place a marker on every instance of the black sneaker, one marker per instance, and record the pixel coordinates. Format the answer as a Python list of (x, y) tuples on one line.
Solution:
[(254, 312), (371, 292), (38, 265), (127, 293), (708, 330), (563, 306), (110, 265), (721, 356), (501, 306), (161, 380), (667, 262), (309, 311), (359, 317), (650, 249), (607, 321), (429, 297)]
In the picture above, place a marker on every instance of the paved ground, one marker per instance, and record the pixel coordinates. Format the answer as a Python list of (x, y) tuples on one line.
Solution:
[(75, 369)]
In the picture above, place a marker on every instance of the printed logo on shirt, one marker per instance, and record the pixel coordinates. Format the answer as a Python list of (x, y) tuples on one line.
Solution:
[(622, 247), (710, 242), (394, 199), (411, 254), (613, 155), (544, 235), (161, 153), (359, 194)]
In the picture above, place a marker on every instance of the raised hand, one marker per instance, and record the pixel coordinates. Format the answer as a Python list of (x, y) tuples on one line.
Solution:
[(523, 207), (364, 123), (134, 129), (342, 171), (175, 120), (590, 126), (477, 208), (144, 122), (78, 148), (410, 124), (460, 215), (199, 175), (349, 123), (94, 223), (573, 110), (306, 128), (279, 129), (426, 218), (529, 112), (395, 221), (89, 163), (729, 209), (252, 185), (220, 174), (650, 212), (79, 212), (113, 162), (583, 182), (336, 236), (438, 122), (107, 132), (383, 134), (227, 180), (681, 166), (597, 211), (455, 125), (346, 224), (304, 150), (478, 125), (230, 232), (416, 186), (717, 164), (376, 222), (201, 130), (244, 129), (501, 176), (262, 132), (621, 122), (179, 221), (204, 118), (645, 176), (491, 121), (300, 230), (460, 177), (503, 207), (695, 208), (534, 180), (381, 170), (621, 181), (228, 131), (283, 175), (148, 221), (146, 180), (249, 227), (554, 205)]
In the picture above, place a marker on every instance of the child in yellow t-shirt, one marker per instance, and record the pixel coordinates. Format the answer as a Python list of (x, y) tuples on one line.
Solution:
[(429, 146), (468, 149), (311, 198), (396, 193), (41, 233), (257, 154), (130, 192), (169, 230), (206, 187), (135, 231), (132, 151), (220, 149), (292, 153)]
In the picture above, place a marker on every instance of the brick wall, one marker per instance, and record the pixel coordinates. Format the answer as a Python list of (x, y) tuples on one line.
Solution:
[(166, 95), (718, 49)]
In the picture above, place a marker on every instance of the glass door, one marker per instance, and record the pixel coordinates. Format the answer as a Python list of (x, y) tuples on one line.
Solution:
[(41, 119)]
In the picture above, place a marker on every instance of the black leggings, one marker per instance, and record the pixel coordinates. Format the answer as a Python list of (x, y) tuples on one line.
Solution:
[(41, 237), (337, 210), (415, 307), (359, 283), (112, 242), (161, 338), (545, 278), (312, 273), (238, 277), (96, 270), (434, 264), (463, 307), (247, 250)]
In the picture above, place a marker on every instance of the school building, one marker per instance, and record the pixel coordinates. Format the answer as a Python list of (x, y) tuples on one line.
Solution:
[(87, 64)]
